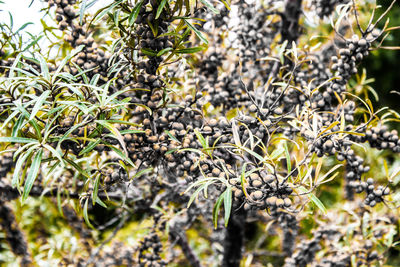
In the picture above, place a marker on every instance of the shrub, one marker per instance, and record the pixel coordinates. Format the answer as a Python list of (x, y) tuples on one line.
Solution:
[(240, 133)]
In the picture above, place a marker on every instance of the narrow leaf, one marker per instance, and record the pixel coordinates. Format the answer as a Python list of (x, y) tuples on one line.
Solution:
[(190, 50), (34, 170), (227, 204), (314, 199), (216, 209), (39, 102), (210, 6), (135, 12), (17, 140), (160, 8), (85, 213), (196, 31)]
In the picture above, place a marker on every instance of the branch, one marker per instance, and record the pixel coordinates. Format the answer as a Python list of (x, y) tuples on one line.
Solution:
[(8, 193), (97, 250), (181, 239), (14, 235), (290, 21), (234, 239)]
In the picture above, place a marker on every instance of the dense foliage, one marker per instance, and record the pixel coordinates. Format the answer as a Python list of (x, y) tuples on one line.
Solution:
[(198, 133)]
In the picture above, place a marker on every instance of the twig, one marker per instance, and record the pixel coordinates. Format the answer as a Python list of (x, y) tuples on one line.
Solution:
[(384, 14), (119, 226), (356, 15), (234, 239), (181, 239)]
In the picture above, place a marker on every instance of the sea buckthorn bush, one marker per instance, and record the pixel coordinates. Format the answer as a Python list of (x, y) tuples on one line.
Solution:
[(198, 133)]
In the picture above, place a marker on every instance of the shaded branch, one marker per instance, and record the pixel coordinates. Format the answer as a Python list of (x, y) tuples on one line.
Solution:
[(14, 235), (182, 241), (234, 239)]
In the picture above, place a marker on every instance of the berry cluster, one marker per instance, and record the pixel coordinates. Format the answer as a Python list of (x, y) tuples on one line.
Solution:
[(251, 35), (226, 92), (262, 191), (115, 175), (91, 57), (374, 194), (324, 8), (147, 40), (290, 228), (118, 254), (314, 73), (381, 138), (329, 236), (149, 251), (344, 66), (65, 13)]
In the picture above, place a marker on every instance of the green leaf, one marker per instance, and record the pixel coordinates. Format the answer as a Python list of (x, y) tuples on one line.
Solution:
[(17, 140), (14, 65), (196, 31), (277, 153), (242, 179), (226, 4), (141, 172), (101, 203), (103, 11), (235, 133), (89, 147), (227, 204), (116, 133), (9, 118), (113, 96), (56, 153), (34, 170), (131, 131), (171, 136), (59, 206), (34, 42), (163, 51), (65, 61), (18, 126), (201, 138), (160, 8), (23, 27), (195, 194), (254, 154), (154, 28), (44, 68), (314, 199), (85, 213), (210, 6), (145, 107), (77, 167), (95, 189), (190, 50), (65, 136), (82, 11), (15, 182), (135, 12), (39, 102), (123, 156), (149, 52), (216, 209)]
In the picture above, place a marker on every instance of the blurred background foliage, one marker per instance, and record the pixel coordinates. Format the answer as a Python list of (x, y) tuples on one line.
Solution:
[(384, 65)]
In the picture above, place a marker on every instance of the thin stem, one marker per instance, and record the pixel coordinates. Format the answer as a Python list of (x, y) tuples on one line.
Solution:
[(356, 15)]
